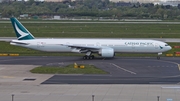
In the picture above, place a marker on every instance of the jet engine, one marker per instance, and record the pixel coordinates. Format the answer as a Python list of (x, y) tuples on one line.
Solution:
[(107, 52)]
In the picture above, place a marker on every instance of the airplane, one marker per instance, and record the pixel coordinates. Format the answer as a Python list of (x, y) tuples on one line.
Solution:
[(106, 48)]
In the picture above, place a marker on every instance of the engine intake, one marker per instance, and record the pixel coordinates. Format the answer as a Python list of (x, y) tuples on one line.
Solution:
[(107, 52)]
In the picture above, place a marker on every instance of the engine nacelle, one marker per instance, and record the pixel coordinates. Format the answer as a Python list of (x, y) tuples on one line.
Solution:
[(107, 52)]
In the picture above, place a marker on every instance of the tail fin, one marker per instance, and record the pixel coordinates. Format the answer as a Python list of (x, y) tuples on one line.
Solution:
[(21, 32)]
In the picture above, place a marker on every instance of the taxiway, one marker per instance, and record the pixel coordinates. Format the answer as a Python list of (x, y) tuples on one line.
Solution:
[(121, 70)]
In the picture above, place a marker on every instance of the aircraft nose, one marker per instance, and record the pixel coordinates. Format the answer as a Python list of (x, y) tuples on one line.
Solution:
[(170, 47)]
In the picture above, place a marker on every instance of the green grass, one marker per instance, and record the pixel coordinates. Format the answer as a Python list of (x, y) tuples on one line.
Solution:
[(85, 30), (89, 69)]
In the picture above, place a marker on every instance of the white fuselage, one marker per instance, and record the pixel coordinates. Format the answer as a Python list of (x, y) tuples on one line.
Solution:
[(119, 45)]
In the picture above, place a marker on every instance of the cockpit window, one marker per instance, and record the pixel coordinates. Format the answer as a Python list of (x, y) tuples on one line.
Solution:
[(166, 45)]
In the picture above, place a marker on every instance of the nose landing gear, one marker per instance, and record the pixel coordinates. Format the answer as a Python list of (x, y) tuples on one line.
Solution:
[(158, 57)]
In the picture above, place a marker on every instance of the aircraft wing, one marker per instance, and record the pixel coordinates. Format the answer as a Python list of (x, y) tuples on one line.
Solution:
[(83, 48)]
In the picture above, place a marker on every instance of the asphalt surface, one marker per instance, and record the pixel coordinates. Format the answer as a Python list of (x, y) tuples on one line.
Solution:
[(121, 70)]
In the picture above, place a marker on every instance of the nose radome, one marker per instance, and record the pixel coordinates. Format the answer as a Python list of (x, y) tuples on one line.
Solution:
[(169, 48)]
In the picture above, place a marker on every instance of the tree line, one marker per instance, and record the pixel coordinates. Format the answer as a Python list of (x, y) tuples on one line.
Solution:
[(90, 8)]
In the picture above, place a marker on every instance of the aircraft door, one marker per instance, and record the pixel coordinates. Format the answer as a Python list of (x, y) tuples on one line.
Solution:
[(133, 48), (156, 46), (97, 44), (67, 43), (40, 44)]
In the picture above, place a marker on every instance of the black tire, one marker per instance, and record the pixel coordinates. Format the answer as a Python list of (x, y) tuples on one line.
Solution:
[(84, 57), (92, 56)]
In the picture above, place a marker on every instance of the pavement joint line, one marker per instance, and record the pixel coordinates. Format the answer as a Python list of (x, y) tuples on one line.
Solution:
[(171, 87), (173, 63), (123, 69)]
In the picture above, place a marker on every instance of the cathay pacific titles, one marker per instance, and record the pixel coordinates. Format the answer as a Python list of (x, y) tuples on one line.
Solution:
[(140, 43)]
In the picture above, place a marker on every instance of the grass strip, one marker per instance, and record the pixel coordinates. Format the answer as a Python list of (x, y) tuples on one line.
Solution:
[(95, 30), (69, 69)]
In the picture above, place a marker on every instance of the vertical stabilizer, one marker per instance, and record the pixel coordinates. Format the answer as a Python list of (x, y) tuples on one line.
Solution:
[(21, 32)]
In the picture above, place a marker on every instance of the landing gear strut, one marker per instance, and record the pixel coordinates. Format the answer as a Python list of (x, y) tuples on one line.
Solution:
[(158, 57), (88, 56)]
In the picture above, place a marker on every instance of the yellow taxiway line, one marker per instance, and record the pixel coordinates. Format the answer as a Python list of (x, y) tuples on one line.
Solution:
[(6, 77)]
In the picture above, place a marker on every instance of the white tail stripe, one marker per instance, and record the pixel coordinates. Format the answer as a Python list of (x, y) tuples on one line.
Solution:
[(23, 34)]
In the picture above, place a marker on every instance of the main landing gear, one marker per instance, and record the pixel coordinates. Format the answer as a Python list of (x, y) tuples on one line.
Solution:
[(88, 56)]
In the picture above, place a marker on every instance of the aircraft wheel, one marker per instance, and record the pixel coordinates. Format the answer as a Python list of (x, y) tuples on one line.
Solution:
[(88, 57), (84, 57), (92, 56), (158, 57)]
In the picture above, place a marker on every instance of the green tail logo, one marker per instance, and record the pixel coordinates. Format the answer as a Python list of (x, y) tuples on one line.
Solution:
[(21, 32)]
